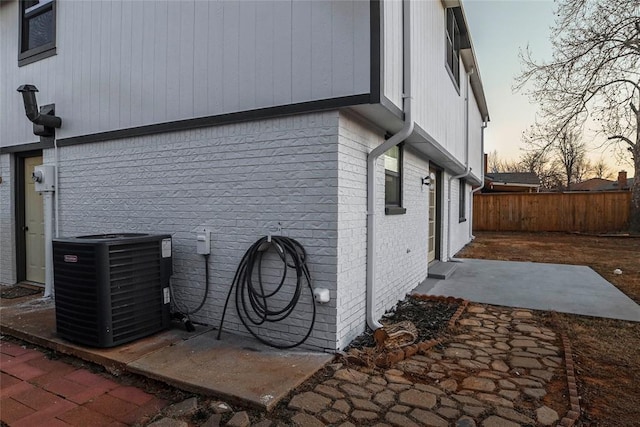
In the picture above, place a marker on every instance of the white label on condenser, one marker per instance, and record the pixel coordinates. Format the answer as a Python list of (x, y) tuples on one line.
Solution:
[(167, 295), (166, 248)]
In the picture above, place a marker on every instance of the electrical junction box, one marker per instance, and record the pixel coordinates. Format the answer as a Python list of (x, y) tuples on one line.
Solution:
[(203, 241), (44, 177)]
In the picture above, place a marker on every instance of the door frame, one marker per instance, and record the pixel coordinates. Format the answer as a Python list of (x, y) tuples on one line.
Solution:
[(21, 242), (438, 223)]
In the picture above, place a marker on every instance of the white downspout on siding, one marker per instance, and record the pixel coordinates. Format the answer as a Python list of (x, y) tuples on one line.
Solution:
[(466, 162), (396, 139)]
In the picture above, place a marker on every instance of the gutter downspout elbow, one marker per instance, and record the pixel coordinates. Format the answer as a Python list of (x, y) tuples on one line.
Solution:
[(401, 135)]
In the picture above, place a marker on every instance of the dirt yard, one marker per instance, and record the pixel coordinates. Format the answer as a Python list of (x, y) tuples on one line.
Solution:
[(607, 352)]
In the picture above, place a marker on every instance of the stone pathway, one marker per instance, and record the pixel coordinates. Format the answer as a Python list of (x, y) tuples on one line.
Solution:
[(495, 373)]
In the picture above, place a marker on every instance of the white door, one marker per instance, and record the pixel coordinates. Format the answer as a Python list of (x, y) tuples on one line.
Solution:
[(34, 224)]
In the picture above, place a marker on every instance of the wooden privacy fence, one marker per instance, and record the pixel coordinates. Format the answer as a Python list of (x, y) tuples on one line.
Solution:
[(584, 212)]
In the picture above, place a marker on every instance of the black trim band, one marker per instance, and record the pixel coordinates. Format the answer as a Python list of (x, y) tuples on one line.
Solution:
[(188, 124), (27, 147)]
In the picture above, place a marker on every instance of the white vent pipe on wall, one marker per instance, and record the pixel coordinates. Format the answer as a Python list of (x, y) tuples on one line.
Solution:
[(396, 139)]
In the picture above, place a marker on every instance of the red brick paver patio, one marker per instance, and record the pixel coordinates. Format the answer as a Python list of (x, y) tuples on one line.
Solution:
[(35, 390)]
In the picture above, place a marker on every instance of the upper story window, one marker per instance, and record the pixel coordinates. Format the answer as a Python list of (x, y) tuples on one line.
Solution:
[(37, 30), (453, 46), (393, 181)]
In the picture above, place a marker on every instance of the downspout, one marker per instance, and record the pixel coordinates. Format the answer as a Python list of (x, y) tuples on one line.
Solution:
[(483, 167), (396, 139), (466, 161)]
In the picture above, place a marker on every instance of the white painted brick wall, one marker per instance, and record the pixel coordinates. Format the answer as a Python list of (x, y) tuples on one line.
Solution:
[(7, 221), (240, 180), (460, 234), (402, 239)]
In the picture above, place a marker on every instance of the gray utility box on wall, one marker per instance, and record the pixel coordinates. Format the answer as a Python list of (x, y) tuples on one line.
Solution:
[(111, 289)]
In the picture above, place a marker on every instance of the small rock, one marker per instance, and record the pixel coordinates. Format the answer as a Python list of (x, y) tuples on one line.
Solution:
[(494, 421), (342, 406), (333, 417), (400, 409), (522, 314), (479, 384), (499, 365), (399, 420), (328, 391), (417, 399), (469, 322), (465, 422), (428, 418), (359, 415), (545, 375), (546, 416), (460, 353), (506, 384), (240, 419), (385, 398), (396, 379), (168, 422), (214, 421), (495, 400), (351, 376), (309, 402), (525, 362), (355, 391), (305, 420), (514, 415), (220, 407), (186, 407), (523, 327), (536, 393), (448, 412), (449, 385), (474, 411)]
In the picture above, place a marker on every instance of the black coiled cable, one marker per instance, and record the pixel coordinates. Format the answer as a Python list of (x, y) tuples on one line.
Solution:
[(252, 301)]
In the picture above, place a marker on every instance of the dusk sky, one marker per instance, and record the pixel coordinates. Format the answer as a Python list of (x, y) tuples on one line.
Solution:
[(499, 29)]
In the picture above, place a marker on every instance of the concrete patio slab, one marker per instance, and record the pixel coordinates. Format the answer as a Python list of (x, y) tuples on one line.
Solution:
[(564, 288), (234, 368)]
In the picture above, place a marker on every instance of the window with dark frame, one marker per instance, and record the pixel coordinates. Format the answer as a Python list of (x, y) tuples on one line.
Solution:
[(462, 200), (37, 30), (393, 181), (453, 46)]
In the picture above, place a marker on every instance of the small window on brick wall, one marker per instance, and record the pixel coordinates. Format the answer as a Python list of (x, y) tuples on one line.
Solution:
[(393, 181), (462, 200), (37, 30)]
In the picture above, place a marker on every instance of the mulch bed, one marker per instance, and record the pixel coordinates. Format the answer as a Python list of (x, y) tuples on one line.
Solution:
[(430, 316)]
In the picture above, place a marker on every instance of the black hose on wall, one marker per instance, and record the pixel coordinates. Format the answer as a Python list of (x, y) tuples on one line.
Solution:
[(252, 301)]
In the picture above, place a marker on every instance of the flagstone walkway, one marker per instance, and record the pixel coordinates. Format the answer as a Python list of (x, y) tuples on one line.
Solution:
[(502, 369)]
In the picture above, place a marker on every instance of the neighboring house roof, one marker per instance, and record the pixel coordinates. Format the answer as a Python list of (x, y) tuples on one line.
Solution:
[(518, 182), (599, 184), (526, 178)]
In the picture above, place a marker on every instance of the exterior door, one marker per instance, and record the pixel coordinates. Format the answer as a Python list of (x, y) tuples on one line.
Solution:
[(434, 216), (33, 224)]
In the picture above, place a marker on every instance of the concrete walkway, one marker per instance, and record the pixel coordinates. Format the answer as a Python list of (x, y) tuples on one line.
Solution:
[(563, 288)]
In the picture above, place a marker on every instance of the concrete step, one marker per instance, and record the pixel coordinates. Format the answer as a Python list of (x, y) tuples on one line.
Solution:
[(441, 270)]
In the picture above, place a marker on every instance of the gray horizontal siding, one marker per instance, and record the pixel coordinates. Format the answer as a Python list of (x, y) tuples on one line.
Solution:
[(123, 64)]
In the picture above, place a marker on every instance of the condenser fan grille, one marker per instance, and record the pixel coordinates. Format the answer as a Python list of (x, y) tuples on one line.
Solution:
[(109, 291)]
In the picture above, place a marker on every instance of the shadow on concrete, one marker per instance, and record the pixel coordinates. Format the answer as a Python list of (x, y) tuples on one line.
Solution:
[(237, 369), (563, 288)]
